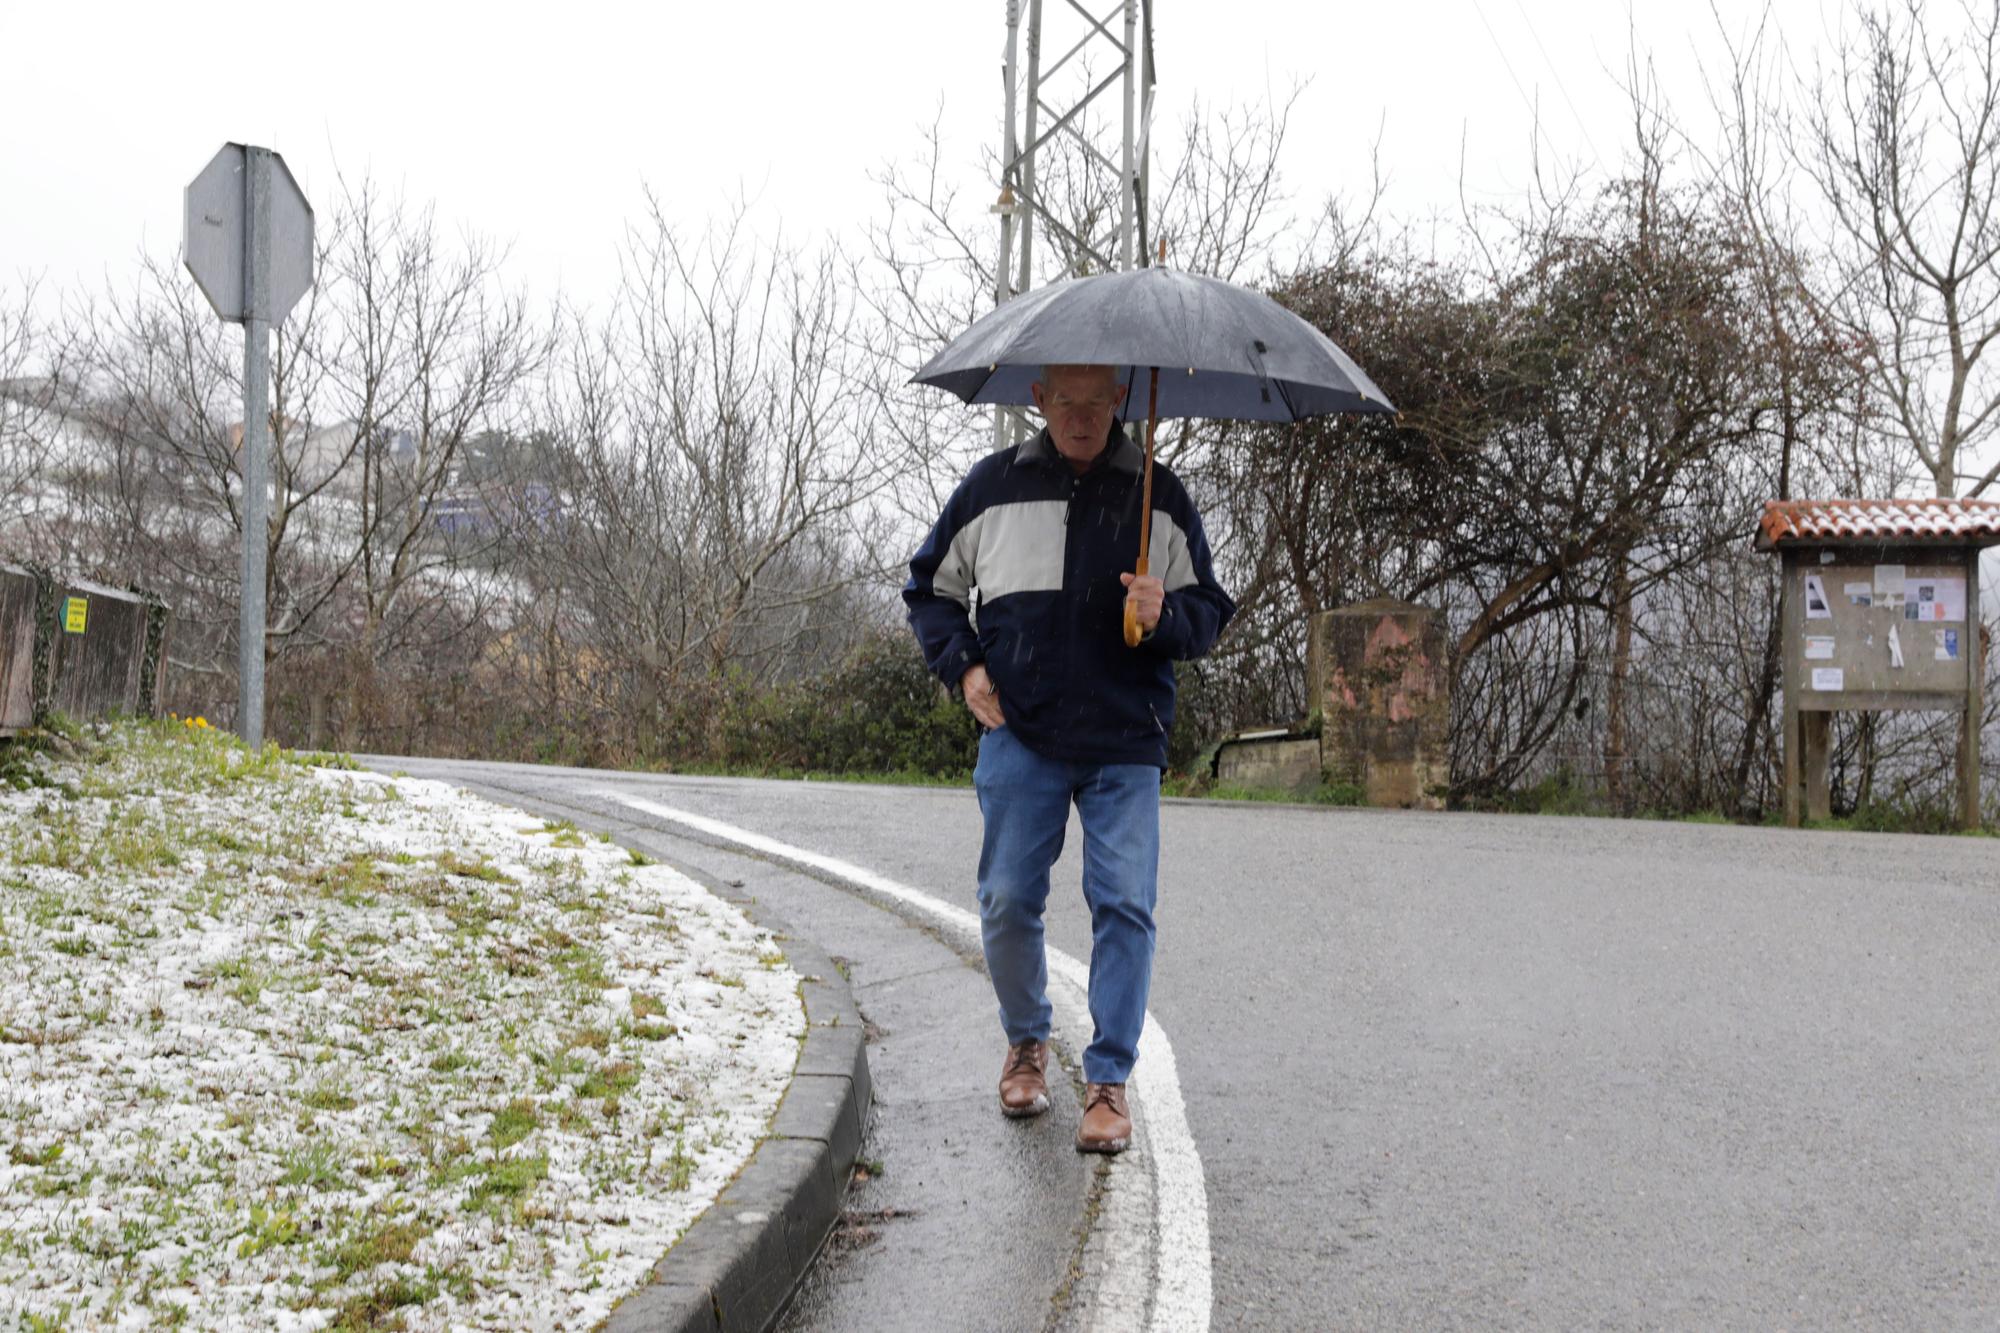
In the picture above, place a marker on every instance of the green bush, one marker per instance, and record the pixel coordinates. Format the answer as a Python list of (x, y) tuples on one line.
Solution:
[(1902, 816), (1562, 792), (879, 711), (1340, 793)]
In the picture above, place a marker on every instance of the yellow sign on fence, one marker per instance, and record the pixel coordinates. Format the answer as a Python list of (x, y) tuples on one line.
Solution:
[(74, 611)]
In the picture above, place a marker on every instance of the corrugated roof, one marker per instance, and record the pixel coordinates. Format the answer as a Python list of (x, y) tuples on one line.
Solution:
[(1940, 522)]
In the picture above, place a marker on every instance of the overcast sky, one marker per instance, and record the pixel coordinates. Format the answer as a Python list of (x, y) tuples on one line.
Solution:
[(540, 126)]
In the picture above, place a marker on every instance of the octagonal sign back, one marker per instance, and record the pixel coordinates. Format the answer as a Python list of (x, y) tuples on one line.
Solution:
[(213, 235)]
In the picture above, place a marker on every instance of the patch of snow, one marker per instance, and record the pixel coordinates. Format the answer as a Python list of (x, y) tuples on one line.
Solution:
[(280, 1044)]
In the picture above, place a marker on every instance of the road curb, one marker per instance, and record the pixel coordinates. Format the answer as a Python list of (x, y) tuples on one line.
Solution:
[(735, 1267)]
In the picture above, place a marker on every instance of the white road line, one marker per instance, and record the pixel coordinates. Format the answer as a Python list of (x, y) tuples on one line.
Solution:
[(1183, 1294)]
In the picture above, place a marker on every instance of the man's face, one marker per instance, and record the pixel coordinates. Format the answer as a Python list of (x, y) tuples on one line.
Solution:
[(1079, 403)]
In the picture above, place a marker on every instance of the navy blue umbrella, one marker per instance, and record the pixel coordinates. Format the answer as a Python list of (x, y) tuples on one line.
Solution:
[(1222, 351), (1202, 346)]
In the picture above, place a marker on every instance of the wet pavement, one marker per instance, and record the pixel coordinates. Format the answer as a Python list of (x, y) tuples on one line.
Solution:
[(1460, 1071), (960, 1209)]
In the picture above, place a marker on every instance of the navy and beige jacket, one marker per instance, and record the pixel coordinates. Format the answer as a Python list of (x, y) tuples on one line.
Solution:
[(1021, 573)]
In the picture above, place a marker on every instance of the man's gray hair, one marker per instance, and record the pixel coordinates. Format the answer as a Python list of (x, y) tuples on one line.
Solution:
[(1048, 369)]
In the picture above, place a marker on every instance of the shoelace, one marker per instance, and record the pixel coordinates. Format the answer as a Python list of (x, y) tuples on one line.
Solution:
[(1023, 1061), (1107, 1094)]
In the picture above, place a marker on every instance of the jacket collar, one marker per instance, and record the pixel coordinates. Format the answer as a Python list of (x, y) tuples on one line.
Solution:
[(1124, 455)]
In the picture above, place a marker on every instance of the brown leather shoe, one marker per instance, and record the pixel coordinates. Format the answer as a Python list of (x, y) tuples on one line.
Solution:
[(1024, 1085), (1107, 1124)]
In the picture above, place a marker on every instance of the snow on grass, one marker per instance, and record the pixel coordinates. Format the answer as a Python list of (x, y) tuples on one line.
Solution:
[(296, 1048)]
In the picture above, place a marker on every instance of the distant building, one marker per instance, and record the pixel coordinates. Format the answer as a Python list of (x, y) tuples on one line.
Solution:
[(496, 508), (48, 419)]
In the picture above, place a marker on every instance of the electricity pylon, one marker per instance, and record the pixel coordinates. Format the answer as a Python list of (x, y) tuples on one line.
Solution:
[(1048, 106)]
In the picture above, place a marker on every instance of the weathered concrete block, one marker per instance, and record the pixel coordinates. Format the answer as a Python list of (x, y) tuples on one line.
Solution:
[(1380, 678), (1275, 763)]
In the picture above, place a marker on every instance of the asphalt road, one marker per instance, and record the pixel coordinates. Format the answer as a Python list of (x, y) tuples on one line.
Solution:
[(1465, 1071)]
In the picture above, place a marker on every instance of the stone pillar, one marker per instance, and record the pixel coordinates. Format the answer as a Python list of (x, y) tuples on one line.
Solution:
[(1381, 682)]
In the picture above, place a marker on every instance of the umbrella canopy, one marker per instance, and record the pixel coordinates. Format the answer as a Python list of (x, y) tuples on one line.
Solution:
[(1222, 350)]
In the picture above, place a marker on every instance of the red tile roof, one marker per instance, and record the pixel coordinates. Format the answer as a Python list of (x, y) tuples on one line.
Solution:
[(1922, 522)]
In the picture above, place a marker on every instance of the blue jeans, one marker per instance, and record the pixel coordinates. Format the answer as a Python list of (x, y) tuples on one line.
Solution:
[(1025, 799)]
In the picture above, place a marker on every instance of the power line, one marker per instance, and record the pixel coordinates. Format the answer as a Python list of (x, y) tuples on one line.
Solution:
[(1534, 117), (1560, 85)]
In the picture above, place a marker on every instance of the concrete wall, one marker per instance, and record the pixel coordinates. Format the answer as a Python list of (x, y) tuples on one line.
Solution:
[(1276, 763), (1381, 681)]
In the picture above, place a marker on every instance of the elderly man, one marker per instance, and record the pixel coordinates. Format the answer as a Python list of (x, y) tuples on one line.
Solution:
[(1017, 597)]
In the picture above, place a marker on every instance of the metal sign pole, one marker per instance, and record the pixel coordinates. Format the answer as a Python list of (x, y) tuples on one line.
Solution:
[(256, 444), (247, 238)]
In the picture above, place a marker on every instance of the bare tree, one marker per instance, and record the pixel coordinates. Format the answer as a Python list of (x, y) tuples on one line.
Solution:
[(719, 464), (163, 493), (429, 353), (403, 339), (33, 392), (1222, 208), (1902, 136), (161, 499), (1817, 430)]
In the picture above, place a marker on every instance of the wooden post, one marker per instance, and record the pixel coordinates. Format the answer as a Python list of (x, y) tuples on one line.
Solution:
[(1789, 607), (1818, 734), (1975, 707)]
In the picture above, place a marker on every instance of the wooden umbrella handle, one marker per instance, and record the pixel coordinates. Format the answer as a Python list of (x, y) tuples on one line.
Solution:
[(1133, 633)]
